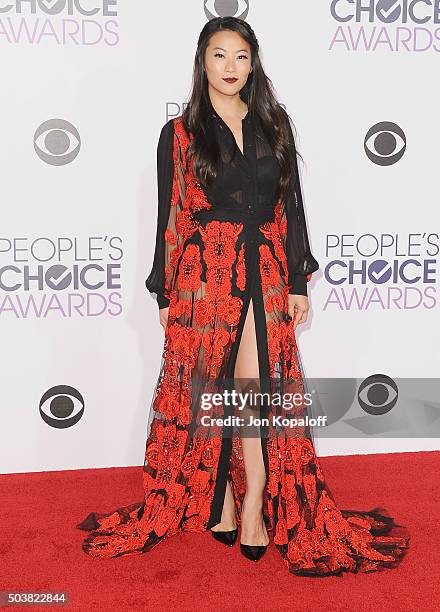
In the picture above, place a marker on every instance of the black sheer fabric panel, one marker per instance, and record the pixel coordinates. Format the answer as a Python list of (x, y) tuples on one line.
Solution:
[(301, 262), (155, 282)]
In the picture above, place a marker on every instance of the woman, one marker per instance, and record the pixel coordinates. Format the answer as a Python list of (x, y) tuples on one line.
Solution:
[(231, 266)]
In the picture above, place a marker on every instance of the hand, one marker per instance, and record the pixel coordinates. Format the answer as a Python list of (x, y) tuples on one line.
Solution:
[(163, 316), (298, 308)]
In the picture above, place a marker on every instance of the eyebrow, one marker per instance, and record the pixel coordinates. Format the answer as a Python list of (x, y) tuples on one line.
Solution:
[(235, 52)]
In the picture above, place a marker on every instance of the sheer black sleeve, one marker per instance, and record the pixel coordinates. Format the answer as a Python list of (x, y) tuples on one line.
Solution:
[(158, 281), (300, 261)]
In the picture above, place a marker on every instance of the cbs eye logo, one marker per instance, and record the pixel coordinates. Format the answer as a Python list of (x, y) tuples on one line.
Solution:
[(377, 394), (57, 142), (383, 9), (385, 143), (226, 8), (61, 406)]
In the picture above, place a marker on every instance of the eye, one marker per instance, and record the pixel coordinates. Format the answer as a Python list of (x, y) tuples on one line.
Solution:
[(61, 406), (219, 54), (377, 394), (57, 142), (219, 8), (385, 143)]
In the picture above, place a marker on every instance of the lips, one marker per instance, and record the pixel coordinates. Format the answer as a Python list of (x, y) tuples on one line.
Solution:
[(230, 80)]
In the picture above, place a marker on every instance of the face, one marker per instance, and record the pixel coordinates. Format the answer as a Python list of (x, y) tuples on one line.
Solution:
[(228, 55)]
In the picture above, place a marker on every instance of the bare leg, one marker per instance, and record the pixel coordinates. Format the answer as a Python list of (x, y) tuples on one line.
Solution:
[(227, 521), (253, 529)]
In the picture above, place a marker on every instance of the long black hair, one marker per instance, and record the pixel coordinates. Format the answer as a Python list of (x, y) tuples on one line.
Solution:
[(257, 93)]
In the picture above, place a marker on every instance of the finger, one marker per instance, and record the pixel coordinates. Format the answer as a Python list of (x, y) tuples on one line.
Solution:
[(296, 318), (301, 317), (294, 311)]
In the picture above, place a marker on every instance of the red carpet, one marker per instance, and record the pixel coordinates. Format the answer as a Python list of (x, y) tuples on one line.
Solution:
[(41, 548)]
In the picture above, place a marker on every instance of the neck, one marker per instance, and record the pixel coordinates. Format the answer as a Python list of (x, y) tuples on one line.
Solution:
[(227, 106)]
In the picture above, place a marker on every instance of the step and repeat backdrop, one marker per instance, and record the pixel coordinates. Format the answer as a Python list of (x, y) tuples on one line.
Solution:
[(86, 88)]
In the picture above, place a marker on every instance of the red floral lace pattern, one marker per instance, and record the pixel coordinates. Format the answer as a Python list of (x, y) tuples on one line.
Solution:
[(315, 537), (179, 479), (180, 470)]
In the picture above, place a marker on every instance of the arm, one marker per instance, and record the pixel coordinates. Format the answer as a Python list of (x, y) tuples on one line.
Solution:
[(169, 204), (300, 261)]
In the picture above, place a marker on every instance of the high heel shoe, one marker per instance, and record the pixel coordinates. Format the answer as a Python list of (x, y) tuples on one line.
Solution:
[(225, 537), (253, 553)]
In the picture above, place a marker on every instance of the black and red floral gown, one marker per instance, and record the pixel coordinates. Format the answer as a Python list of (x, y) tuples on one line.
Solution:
[(217, 248)]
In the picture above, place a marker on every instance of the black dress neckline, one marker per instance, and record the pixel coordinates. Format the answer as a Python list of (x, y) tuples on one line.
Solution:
[(244, 123)]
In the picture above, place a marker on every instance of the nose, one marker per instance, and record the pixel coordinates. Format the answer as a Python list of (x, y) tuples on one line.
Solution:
[(230, 65)]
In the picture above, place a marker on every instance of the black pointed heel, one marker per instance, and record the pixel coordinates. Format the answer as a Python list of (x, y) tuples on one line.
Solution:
[(253, 553), (225, 537)]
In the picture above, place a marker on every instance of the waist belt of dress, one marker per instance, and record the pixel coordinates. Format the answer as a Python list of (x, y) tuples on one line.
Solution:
[(256, 217)]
